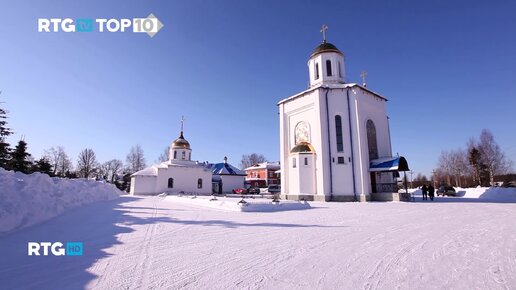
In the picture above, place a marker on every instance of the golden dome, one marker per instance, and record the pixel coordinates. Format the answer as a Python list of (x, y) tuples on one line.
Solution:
[(303, 147), (181, 143)]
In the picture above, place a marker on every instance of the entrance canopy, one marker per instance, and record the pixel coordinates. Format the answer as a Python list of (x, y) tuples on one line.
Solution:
[(398, 163)]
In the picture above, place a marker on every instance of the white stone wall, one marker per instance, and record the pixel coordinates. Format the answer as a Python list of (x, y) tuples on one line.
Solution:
[(185, 179), (143, 185)]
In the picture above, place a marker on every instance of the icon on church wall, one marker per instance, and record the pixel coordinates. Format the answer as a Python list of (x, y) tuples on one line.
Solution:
[(302, 132)]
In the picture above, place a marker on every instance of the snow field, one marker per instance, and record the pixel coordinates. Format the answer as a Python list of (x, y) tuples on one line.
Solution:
[(152, 243)]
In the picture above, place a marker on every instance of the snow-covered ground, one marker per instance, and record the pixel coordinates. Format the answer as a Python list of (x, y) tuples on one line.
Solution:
[(30, 199), (152, 242)]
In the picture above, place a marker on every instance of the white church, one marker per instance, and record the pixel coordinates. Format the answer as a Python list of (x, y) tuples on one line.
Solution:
[(179, 174), (334, 137)]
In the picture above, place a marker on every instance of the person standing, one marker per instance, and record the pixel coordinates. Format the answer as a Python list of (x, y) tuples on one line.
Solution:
[(431, 192), (424, 190)]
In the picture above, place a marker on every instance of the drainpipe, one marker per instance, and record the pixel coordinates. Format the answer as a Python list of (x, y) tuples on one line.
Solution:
[(352, 152), (329, 142)]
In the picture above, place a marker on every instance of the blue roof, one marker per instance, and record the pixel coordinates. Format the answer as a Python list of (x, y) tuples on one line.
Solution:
[(389, 164), (226, 169)]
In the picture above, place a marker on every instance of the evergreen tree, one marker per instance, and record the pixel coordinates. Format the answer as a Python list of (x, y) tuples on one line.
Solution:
[(43, 166), (19, 158), (4, 146)]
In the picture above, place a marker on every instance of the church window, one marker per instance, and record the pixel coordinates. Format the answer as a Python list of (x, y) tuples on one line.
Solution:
[(316, 71), (306, 161), (199, 183), (371, 140), (340, 70), (175, 154), (293, 162), (171, 183), (340, 160), (328, 68), (338, 133), (190, 156), (183, 154)]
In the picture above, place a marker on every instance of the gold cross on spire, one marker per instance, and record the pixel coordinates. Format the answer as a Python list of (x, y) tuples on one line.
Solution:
[(323, 30), (363, 75)]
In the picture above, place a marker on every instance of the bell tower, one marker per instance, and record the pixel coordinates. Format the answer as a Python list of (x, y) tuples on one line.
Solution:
[(326, 63)]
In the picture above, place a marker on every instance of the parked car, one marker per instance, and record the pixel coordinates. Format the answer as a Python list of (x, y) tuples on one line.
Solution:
[(446, 190), (253, 190), (274, 188), (240, 191)]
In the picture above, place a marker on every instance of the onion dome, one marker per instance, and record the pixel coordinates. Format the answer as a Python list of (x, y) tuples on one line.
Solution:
[(180, 143)]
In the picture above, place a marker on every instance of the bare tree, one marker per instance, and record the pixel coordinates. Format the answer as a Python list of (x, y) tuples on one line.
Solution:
[(492, 156), (135, 159), (249, 160), (87, 163), (59, 160), (164, 155), (111, 168)]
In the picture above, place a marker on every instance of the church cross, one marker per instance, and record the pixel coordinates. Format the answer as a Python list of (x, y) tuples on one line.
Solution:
[(323, 30), (182, 122), (363, 75)]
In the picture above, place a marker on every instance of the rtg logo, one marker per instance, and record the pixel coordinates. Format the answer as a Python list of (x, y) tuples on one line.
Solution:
[(57, 249), (150, 25)]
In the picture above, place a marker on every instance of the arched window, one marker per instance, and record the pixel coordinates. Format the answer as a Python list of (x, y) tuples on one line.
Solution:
[(328, 68), (316, 71), (199, 183), (340, 70), (171, 183), (190, 156), (338, 133), (183, 155), (371, 140), (175, 154)]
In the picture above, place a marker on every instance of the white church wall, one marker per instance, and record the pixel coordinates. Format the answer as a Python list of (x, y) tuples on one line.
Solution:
[(341, 172), (185, 179), (143, 185)]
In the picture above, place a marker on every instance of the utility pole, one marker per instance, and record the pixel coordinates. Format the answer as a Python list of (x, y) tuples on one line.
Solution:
[(411, 173)]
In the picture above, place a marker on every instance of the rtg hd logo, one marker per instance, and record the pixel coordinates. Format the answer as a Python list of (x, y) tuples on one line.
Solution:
[(56, 249), (150, 25)]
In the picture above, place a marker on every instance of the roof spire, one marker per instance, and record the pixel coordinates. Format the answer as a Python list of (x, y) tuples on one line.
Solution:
[(182, 125), (324, 27)]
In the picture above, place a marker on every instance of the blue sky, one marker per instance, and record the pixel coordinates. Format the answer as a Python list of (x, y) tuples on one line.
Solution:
[(447, 67)]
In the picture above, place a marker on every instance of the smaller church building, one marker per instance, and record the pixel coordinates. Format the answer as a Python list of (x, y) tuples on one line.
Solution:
[(180, 174)]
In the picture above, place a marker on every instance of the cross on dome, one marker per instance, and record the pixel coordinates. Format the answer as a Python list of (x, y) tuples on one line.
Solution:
[(324, 27)]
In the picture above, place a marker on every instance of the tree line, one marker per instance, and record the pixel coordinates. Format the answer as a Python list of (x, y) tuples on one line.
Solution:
[(56, 162), (477, 164)]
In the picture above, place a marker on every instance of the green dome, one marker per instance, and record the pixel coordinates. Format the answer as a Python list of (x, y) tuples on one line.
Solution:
[(325, 47)]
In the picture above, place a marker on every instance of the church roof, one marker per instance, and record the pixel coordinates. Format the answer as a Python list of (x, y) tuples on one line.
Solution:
[(149, 171), (226, 169), (303, 147), (180, 143), (325, 47), (331, 86)]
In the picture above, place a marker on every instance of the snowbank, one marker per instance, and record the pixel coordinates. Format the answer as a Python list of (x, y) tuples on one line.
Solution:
[(233, 204), (30, 199)]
